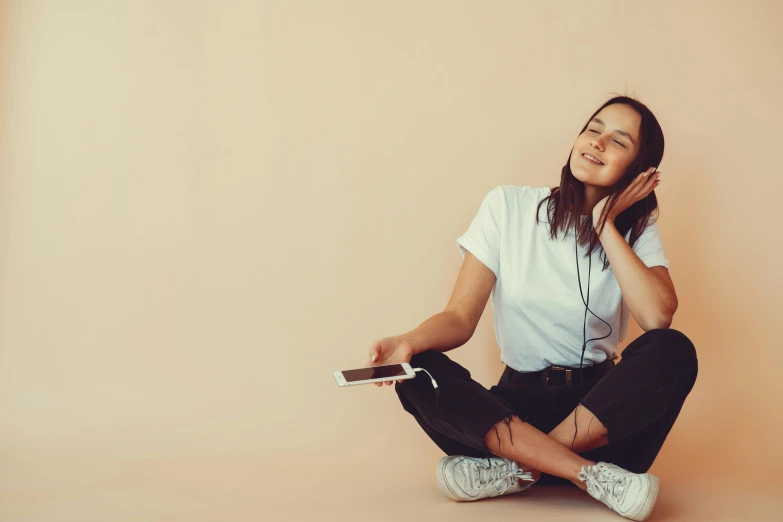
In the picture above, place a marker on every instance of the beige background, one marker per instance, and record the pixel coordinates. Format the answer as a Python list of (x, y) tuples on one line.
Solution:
[(208, 207)]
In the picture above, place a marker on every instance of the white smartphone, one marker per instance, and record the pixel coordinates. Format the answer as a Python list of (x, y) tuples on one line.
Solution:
[(371, 374)]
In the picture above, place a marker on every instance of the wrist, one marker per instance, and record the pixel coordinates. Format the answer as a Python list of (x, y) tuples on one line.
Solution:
[(609, 221), (597, 217), (410, 340)]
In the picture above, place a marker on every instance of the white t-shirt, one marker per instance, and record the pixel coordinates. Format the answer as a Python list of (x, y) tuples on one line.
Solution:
[(538, 309)]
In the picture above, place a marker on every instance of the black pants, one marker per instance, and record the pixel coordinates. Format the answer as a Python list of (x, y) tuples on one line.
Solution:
[(638, 402)]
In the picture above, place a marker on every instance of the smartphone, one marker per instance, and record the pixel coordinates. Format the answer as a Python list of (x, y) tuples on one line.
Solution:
[(371, 374)]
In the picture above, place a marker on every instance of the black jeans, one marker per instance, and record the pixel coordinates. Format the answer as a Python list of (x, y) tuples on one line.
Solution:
[(638, 402)]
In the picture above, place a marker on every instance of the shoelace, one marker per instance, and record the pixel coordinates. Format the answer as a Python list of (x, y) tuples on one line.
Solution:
[(602, 482), (499, 476)]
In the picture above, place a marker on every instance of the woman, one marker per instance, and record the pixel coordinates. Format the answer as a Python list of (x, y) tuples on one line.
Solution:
[(560, 412)]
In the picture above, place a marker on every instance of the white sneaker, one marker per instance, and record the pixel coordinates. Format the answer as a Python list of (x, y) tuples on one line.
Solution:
[(468, 478), (632, 495)]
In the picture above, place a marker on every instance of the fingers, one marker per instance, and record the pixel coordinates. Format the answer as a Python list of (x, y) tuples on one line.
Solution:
[(645, 176), (655, 180), (649, 180)]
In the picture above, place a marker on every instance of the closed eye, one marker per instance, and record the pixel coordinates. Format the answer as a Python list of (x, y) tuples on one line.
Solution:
[(617, 142)]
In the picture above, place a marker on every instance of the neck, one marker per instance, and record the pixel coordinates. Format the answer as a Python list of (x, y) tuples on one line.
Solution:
[(593, 195)]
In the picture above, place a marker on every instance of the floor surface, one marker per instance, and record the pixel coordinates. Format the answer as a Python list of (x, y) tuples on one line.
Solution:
[(318, 487)]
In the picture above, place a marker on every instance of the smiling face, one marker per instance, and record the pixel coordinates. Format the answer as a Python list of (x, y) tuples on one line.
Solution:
[(612, 137)]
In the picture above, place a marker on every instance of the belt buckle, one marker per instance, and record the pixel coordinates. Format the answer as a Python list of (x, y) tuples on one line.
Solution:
[(545, 374)]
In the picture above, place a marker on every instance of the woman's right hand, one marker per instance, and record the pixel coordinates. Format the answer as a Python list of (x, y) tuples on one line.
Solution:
[(389, 350)]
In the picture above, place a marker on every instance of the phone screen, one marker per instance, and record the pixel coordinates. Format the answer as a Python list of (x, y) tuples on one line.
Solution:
[(374, 372)]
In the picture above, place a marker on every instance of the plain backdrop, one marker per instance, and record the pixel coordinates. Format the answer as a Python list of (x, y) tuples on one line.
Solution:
[(208, 207)]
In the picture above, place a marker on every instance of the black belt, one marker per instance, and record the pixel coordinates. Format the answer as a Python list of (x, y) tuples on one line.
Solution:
[(557, 375)]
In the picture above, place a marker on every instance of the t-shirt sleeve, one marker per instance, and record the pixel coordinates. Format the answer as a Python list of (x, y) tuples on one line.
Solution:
[(483, 236), (649, 247)]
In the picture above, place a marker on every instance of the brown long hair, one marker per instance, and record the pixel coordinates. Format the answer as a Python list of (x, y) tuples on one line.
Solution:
[(565, 203)]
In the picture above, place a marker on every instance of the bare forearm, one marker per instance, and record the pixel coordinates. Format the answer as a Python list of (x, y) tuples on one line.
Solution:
[(442, 332), (651, 303)]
